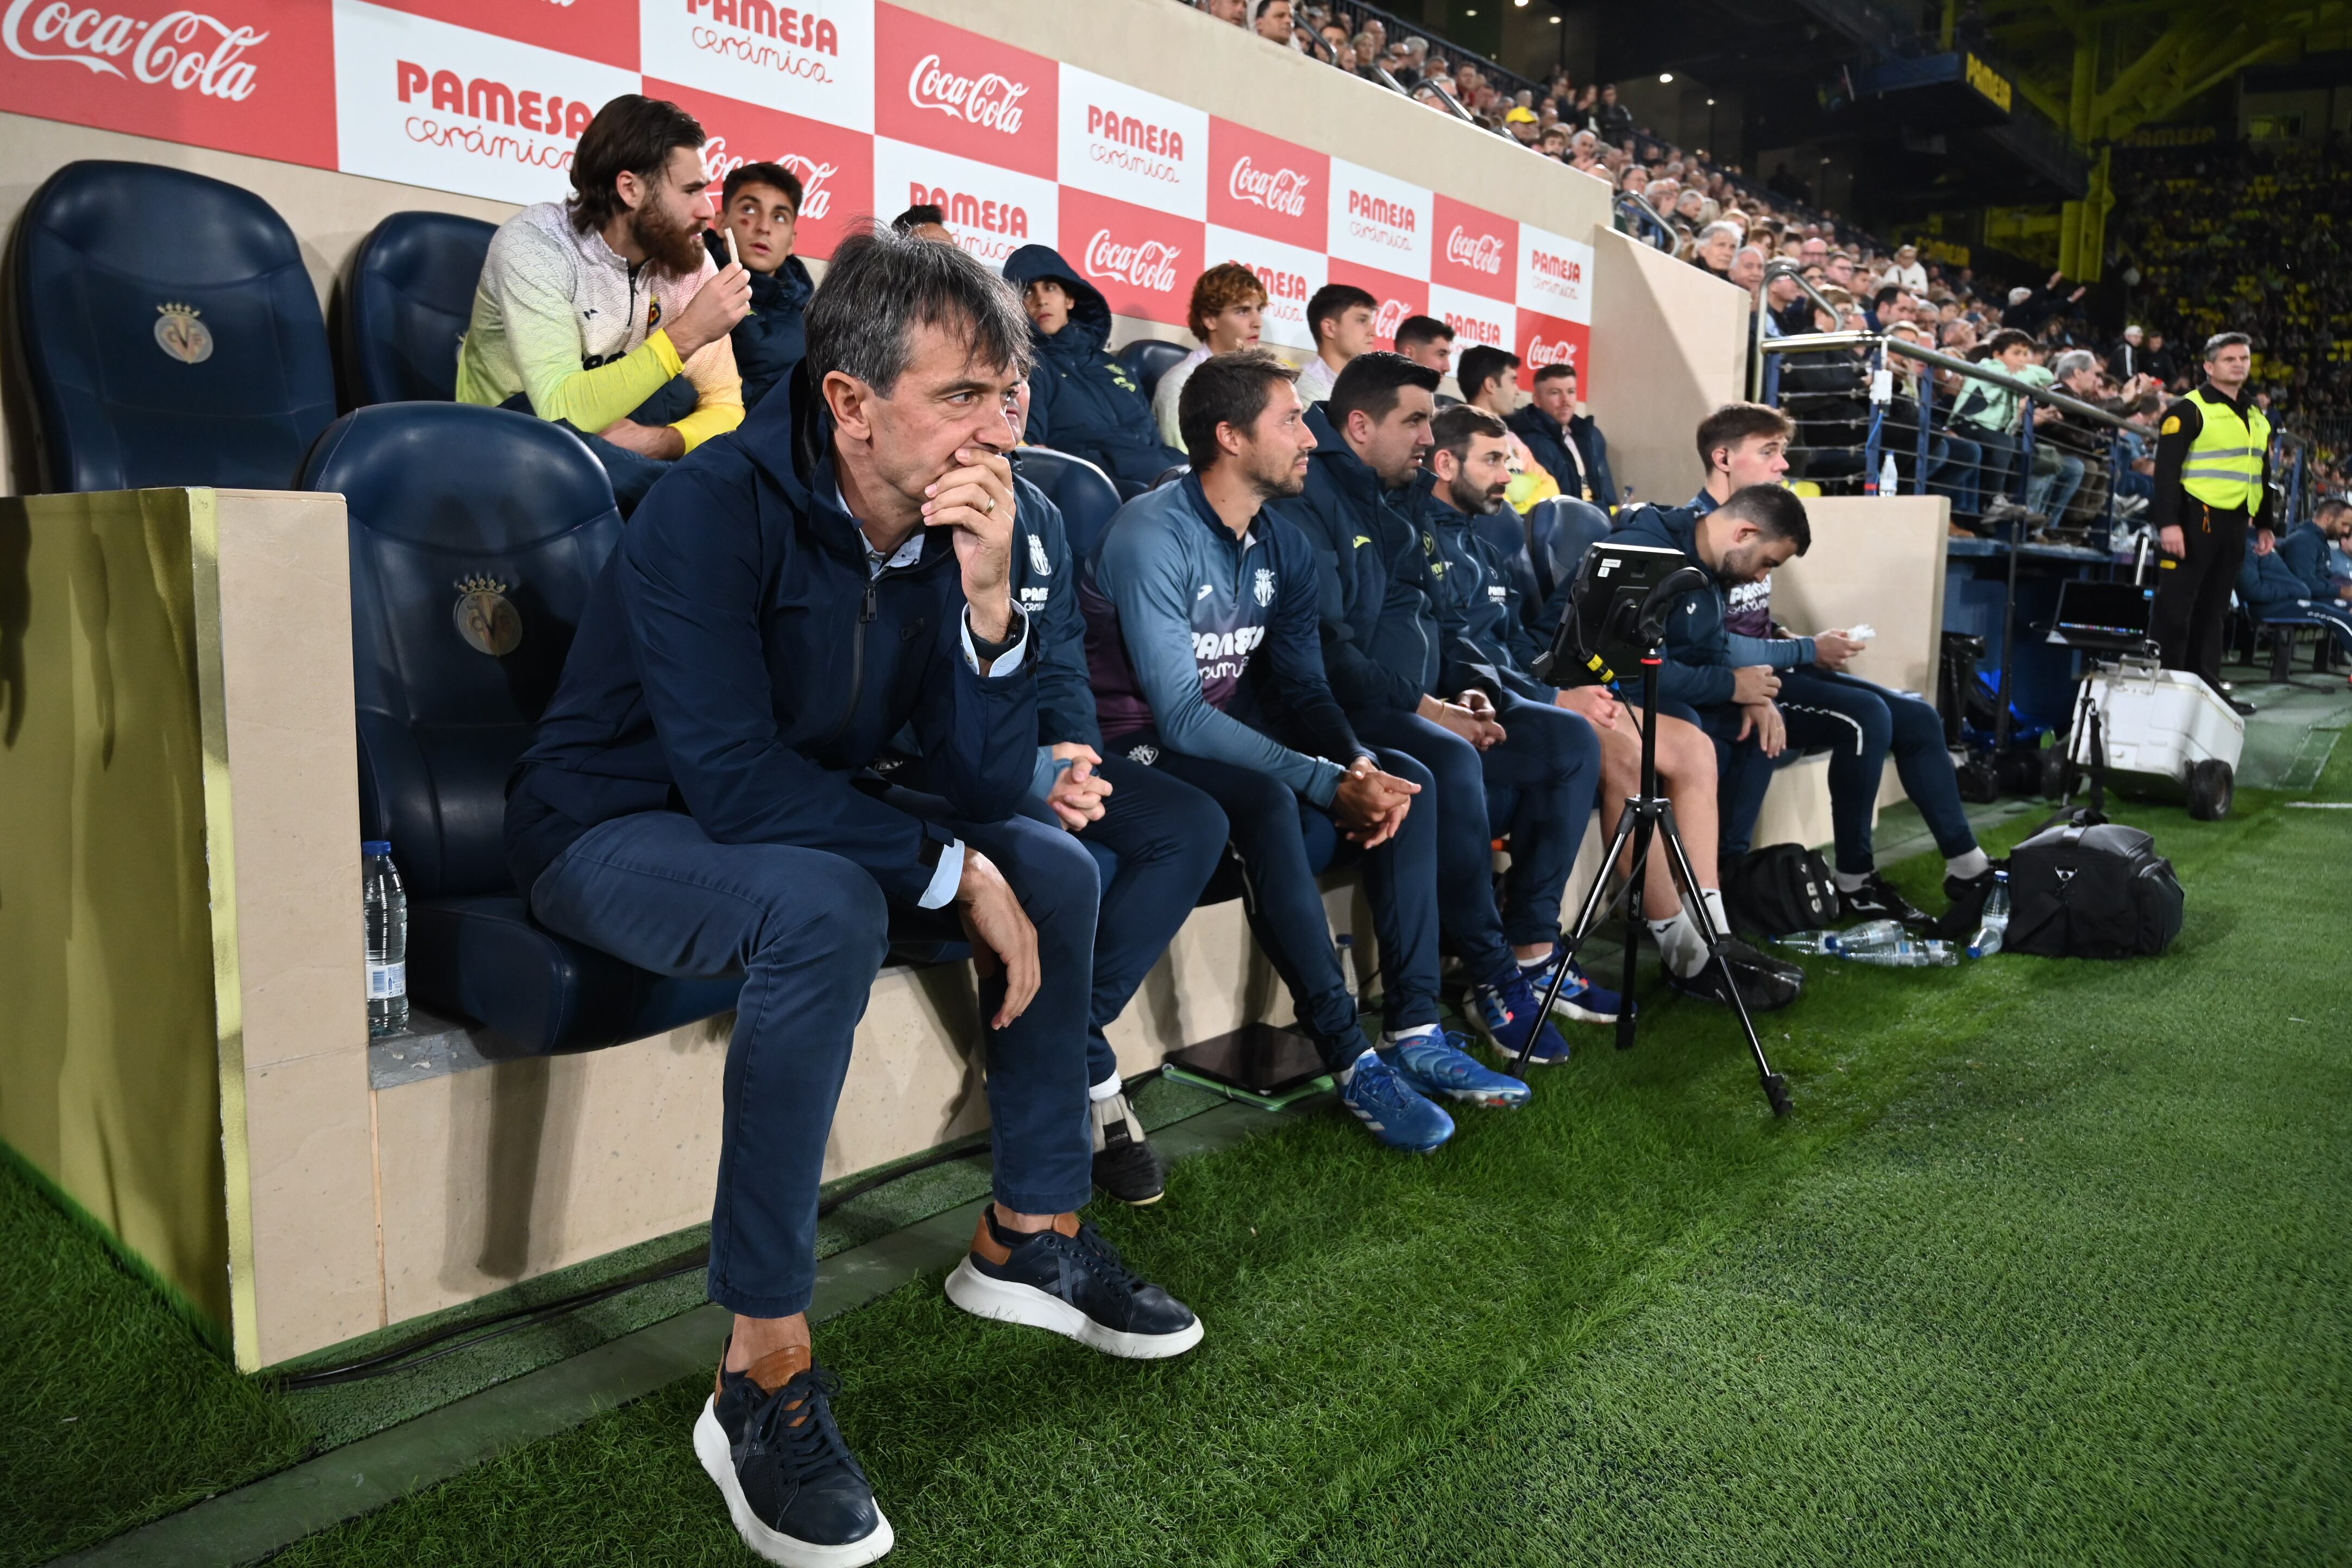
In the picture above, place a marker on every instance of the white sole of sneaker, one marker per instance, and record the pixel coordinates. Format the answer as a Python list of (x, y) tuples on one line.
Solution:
[(1508, 1054), (1564, 1008), (717, 1459), (1010, 1302)]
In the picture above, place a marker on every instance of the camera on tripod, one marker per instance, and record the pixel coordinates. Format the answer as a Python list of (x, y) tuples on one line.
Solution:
[(1617, 612)]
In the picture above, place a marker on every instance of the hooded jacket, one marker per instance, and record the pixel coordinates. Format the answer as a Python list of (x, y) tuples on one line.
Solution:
[(1577, 457), (1697, 671), (774, 336), (738, 662), (1082, 401), (1379, 632)]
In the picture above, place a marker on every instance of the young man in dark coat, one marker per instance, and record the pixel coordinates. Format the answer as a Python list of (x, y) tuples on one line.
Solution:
[(698, 802), (1566, 441), (1081, 400), (759, 211)]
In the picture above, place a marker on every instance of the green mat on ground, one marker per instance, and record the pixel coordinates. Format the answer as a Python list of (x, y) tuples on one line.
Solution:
[(2049, 1267)]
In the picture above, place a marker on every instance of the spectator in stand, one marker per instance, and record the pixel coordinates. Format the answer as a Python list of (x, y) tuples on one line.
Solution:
[(1342, 318), (2162, 363), (1275, 24), (558, 329), (1907, 274), (1362, 508), (1611, 118), (1565, 439), (1227, 314), (1993, 417), (2127, 358), (1427, 341), (924, 221), (1718, 244), (1082, 400), (1234, 11), (759, 208), (1208, 719)]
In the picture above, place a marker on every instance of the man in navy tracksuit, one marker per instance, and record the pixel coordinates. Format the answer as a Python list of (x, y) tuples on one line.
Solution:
[(1202, 632), (1362, 507), (787, 599), (2311, 550), (1568, 443), (760, 210), (1741, 540), (1081, 400), (2289, 583)]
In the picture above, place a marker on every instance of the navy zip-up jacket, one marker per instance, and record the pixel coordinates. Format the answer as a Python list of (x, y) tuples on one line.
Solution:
[(2267, 580), (2303, 549), (1081, 400), (1550, 445), (737, 662), (1379, 642), (1045, 586), (774, 337), (1486, 641), (1698, 666)]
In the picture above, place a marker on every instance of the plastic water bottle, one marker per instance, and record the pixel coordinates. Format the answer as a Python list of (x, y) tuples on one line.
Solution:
[(1900, 953), (1994, 926), (1889, 482), (1808, 941), (1870, 933), (387, 939)]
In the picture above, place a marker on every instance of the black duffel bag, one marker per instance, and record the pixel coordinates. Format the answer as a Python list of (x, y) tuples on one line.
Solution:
[(2079, 891), (1781, 889)]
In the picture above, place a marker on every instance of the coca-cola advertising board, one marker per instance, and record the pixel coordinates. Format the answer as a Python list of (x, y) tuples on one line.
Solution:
[(1548, 341), (246, 75), (1395, 298), (991, 211), (1267, 186), (1555, 275), (1476, 320), (1291, 275), (1144, 262), (814, 59), (835, 167), (425, 103), (944, 88), (1473, 249), (1378, 221), (601, 30), (1121, 141)]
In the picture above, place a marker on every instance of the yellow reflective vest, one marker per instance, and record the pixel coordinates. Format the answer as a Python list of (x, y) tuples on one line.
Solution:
[(2223, 467)]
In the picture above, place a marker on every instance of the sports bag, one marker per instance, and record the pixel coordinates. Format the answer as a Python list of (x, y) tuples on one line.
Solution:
[(2079, 891), (1780, 889)]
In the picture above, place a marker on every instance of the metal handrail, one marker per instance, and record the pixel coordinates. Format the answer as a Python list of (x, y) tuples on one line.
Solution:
[(1450, 102), (1637, 206), (1318, 43), (1823, 342)]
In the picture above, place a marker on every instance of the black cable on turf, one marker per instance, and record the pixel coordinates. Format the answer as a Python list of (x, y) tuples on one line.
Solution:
[(408, 1357)]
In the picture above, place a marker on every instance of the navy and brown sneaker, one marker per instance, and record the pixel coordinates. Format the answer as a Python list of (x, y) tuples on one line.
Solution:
[(796, 1493), (1069, 1281)]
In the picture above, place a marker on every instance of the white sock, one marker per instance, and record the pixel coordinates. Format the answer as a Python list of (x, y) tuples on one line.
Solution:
[(1713, 898), (1967, 866), (1398, 1037), (1347, 1074), (1529, 966), (1850, 881), (1107, 1089), (1680, 944)]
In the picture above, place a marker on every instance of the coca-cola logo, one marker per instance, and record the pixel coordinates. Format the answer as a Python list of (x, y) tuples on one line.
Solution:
[(1560, 268), (1478, 252), (1129, 131), (1150, 265), (780, 23), (183, 51), (1540, 353), (1391, 317), (718, 163), (968, 212), (485, 99), (1380, 209), (1280, 190), (992, 99)]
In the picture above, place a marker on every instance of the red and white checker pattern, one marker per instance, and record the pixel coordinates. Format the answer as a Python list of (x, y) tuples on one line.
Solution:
[(875, 107)]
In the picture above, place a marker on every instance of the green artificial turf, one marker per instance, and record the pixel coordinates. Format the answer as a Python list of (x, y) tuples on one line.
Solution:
[(2081, 1296)]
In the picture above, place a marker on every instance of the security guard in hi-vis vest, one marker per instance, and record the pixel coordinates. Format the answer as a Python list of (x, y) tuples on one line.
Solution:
[(2212, 482)]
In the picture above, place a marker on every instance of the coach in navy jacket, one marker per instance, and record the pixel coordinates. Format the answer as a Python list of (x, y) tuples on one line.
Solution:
[(697, 802)]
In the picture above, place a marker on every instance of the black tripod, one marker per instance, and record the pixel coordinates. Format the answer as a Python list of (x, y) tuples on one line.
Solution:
[(1649, 815)]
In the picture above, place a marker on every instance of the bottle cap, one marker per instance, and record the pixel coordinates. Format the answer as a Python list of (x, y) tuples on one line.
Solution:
[(375, 846)]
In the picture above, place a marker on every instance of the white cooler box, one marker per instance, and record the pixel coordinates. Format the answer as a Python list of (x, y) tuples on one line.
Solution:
[(2168, 722)]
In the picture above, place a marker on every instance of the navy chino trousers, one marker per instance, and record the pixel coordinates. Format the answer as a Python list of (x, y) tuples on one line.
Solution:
[(809, 930)]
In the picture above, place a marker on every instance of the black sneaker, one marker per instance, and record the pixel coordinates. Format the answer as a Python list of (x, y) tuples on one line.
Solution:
[(1877, 900), (1965, 897), (1125, 1165), (1765, 984), (1070, 1281), (793, 1488)]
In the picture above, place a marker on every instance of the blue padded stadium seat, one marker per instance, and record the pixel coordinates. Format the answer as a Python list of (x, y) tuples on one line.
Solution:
[(1560, 532), (410, 297), (442, 495), (171, 333), (1084, 492), (1148, 358)]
